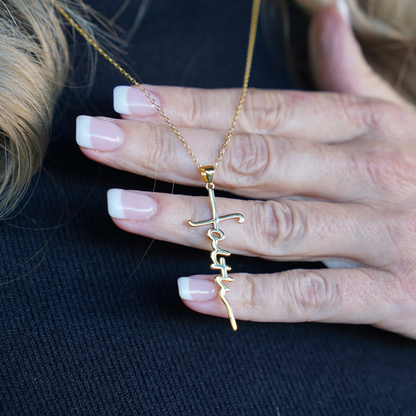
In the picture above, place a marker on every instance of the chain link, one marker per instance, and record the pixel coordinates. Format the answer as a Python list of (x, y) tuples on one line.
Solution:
[(249, 59)]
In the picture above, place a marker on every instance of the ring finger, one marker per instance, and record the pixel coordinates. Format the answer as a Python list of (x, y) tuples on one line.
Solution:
[(284, 230)]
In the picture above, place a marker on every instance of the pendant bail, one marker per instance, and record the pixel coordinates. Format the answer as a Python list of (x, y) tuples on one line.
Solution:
[(207, 172)]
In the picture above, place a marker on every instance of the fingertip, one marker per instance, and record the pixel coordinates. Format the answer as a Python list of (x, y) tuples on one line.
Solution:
[(200, 294), (114, 204), (336, 56), (337, 60), (211, 308), (183, 288), (83, 131), (343, 10), (120, 100), (197, 289), (132, 101)]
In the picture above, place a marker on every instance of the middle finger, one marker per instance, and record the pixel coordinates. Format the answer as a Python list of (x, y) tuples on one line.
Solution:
[(258, 166)]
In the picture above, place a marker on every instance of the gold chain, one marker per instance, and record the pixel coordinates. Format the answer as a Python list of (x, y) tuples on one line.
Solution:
[(249, 59)]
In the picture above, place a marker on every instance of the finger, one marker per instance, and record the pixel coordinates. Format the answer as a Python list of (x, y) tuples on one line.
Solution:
[(255, 165), (284, 230), (337, 60), (316, 117), (354, 296)]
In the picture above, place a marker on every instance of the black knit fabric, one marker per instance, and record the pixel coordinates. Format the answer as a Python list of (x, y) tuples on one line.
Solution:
[(84, 333)]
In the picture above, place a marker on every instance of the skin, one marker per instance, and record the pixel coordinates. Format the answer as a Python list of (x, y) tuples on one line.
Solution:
[(331, 175)]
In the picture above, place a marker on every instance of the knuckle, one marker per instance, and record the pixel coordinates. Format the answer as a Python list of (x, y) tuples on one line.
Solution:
[(266, 111), (248, 161), (279, 227), (194, 112), (311, 292), (400, 303), (371, 114), (385, 117), (159, 151), (388, 171), (254, 296), (376, 116), (362, 112)]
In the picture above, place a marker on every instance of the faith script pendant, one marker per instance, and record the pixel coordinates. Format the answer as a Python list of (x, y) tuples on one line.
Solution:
[(216, 235)]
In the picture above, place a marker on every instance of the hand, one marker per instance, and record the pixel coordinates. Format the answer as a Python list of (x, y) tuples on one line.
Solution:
[(332, 177)]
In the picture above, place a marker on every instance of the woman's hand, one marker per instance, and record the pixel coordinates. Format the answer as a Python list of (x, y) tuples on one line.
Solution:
[(332, 177)]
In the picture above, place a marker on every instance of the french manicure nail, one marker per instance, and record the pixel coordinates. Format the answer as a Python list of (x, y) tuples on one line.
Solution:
[(343, 10), (94, 133), (130, 205), (132, 101), (196, 289)]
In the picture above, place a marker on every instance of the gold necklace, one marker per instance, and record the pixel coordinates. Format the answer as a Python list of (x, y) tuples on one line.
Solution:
[(207, 172)]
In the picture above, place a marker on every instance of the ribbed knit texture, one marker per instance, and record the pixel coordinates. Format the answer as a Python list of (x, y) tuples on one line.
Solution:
[(81, 335)]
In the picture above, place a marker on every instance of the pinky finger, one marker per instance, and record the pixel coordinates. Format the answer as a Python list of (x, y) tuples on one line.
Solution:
[(354, 295)]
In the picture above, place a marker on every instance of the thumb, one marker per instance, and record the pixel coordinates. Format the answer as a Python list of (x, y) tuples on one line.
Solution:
[(337, 61)]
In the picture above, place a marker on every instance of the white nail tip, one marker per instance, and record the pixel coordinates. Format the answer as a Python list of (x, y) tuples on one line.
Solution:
[(183, 286), (83, 135), (120, 102), (114, 204), (343, 9)]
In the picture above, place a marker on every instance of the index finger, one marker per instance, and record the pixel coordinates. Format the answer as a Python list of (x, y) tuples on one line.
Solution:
[(311, 116)]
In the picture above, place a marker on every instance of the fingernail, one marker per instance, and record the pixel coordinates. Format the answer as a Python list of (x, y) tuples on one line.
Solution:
[(343, 10), (94, 133), (130, 205), (132, 101), (197, 289)]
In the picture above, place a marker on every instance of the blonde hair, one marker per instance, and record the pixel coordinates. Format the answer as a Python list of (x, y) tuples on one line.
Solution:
[(34, 67)]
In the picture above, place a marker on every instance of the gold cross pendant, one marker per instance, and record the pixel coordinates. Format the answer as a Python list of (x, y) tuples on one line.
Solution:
[(216, 235)]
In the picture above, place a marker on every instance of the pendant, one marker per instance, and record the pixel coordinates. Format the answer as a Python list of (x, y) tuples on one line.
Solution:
[(216, 235)]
